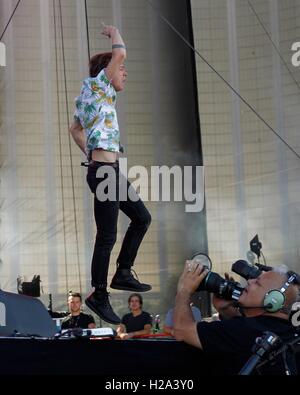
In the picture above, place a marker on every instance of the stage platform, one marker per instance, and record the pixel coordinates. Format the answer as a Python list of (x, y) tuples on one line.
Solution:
[(105, 357), (96, 357)]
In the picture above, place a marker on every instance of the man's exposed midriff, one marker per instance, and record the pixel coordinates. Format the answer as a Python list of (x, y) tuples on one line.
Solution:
[(100, 155)]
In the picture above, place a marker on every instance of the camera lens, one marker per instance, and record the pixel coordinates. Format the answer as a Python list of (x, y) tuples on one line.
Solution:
[(245, 270), (214, 283), (203, 259)]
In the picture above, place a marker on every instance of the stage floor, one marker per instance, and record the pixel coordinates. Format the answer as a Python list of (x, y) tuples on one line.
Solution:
[(109, 358), (96, 357)]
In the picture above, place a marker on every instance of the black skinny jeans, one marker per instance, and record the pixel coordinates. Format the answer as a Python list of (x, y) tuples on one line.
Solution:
[(106, 217)]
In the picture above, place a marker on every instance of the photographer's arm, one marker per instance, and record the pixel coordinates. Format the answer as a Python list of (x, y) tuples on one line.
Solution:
[(185, 327)]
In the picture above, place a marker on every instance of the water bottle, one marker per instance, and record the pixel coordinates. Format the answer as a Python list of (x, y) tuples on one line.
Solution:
[(156, 328), (58, 325)]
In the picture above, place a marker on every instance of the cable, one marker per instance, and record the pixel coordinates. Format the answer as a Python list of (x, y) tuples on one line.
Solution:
[(273, 44), (69, 141), (10, 19), (263, 257), (223, 79), (87, 29), (60, 150), (286, 367)]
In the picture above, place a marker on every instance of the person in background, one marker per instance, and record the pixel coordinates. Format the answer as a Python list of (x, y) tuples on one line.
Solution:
[(77, 319), (137, 322), (169, 323)]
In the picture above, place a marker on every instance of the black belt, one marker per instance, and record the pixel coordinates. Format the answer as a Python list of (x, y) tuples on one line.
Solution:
[(94, 163)]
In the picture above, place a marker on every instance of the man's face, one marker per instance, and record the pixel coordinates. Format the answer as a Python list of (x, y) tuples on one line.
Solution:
[(74, 304), (134, 303), (120, 78), (254, 293)]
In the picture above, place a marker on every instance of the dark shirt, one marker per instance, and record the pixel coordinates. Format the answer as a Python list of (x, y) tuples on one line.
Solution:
[(137, 323), (77, 321), (229, 342)]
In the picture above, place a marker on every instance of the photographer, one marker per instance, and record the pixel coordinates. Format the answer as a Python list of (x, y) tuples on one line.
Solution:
[(230, 341)]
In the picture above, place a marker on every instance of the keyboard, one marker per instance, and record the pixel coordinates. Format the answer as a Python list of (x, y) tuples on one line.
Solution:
[(96, 332)]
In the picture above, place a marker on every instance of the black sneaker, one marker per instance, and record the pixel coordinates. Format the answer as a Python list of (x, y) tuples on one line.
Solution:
[(124, 280), (98, 302)]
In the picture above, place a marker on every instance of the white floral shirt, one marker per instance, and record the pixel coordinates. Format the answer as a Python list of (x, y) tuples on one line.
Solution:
[(95, 110)]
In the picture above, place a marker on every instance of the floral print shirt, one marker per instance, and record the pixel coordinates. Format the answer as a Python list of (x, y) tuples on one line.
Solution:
[(95, 110)]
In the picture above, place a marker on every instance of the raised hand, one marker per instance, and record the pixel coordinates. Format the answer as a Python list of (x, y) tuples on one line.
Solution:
[(108, 30)]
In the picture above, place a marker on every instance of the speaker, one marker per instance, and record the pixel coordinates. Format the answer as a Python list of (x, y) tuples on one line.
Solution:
[(24, 315), (31, 288)]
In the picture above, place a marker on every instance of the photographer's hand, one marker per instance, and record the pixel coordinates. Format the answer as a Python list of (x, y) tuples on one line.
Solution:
[(191, 278), (185, 326)]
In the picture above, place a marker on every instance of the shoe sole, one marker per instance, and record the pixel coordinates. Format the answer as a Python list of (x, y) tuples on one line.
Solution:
[(99, 315), (129, 289)]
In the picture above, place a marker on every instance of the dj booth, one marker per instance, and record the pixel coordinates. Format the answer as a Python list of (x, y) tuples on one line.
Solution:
[(43, 352), (107, 357), (29, 345), (97, 357)]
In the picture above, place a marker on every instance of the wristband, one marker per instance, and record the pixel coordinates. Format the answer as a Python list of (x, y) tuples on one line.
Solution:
[(115, 46)]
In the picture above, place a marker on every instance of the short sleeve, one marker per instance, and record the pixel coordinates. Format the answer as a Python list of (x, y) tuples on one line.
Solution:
[(76, 115), (147, 319), (125, 319), (65, 323), (226, 336), (102, 81), (90, 319)]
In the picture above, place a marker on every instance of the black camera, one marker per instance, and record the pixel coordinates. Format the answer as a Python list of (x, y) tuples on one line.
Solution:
[(248, 271), (243, 269), (231, 290), (225, 289), (213, 282)]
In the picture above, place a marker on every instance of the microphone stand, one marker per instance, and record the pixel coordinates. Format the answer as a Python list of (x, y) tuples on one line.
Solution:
[(263, 345)]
